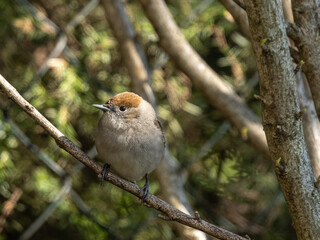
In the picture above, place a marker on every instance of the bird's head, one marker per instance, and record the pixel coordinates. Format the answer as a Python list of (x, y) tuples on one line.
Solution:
[(125, 108)]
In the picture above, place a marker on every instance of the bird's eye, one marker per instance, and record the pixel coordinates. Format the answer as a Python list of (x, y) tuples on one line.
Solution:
[(108, 102), (122, 108)]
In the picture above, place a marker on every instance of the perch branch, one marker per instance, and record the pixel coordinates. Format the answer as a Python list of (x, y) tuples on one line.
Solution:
[(153, 201)]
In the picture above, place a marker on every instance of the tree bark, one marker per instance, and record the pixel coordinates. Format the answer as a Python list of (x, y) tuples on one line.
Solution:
[(280, 106), (310, 120), (306, 37), (311, 126)]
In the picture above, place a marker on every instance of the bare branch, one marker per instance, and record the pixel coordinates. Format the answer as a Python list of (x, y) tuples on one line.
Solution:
[(35, 226), (306, 16), (310, 122), (82, 206), (235, 65), (239, 14), (308, 113), (8, 206), (164, 217), (284, 132), (240, 3), (236, 9), (131, 51), (287, 10), (217, 91), (64, 143)]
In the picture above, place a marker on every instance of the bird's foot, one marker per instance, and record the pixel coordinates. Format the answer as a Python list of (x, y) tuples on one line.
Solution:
[(144, 190), (104, 172)]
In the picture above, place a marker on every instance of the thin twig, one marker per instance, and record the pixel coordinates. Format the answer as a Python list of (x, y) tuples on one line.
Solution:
[(64, 143), (61, 44), (82, 206), (49, 210), (8, 207), (164, 217), (35, 149), (216, 90)]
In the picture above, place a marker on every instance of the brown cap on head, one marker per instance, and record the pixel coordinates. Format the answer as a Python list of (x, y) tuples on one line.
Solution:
[(127, 99)]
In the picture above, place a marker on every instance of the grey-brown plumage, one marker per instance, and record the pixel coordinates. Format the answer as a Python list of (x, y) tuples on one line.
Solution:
[(129, 136)]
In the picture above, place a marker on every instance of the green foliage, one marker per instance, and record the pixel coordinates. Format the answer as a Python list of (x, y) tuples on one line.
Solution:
[(231, 185)]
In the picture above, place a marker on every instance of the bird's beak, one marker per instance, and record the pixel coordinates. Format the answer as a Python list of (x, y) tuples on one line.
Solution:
[(101, 107)]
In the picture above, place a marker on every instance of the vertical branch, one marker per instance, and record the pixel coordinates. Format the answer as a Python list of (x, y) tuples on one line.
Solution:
[(283, 130), (306, 37), (287, 10), (310, 120), (131, 51)]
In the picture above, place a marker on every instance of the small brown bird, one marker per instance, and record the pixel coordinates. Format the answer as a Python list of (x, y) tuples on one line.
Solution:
[(129, 138)]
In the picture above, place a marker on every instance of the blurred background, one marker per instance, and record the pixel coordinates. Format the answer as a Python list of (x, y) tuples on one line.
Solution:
[(62, 57)]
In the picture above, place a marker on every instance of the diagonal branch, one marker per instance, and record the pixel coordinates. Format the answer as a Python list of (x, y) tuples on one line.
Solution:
[(8, 207), (310, 117), (217, 91), (239, 14), (304, 32), (152, 201)]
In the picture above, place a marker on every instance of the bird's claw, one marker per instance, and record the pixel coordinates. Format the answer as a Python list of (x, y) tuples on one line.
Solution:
[(144, 190), (104, 172)]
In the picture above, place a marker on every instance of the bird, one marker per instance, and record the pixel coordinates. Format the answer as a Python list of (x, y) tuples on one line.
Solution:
[(129, 138)]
